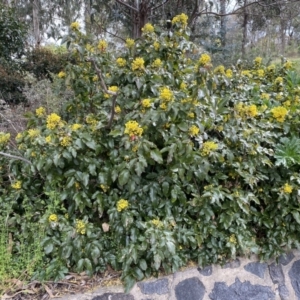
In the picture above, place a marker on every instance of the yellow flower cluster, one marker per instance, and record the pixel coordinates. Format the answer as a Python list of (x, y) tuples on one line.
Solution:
[(132, 128), (121, 62), (279, 113), (76, 126), (257, 61), (191, 114), (229, 73), (204, 60), (53, 218), (104, 187), (90, 119), (48, 139), (53, 121), (287, 103), (129, 43), (4, 138), (208, 147), (66, 141), (246, 110), (271, 68), (265, 96), (77, 185), (74, 26), (95, 78), (112, 88), (19, 136), (138, 64), (194, 130), (135, 148), (246, 73), (40, 111), (260, 73), (287, 188), (232, 239), (288, 65), (220, 70), (157, 223), (102, 45), (157, 63), (182, 86), (148, 28), (279, 81), (80, 227), (156, 45), (122, 204), (180, 19), (146, 103), (166, 94), (90, 48), (33, 133), (17, 185), (61, 74), (118, 109)]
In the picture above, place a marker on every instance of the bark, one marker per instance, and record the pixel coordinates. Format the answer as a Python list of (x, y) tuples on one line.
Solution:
[(223, 22), (245, 29), (36, 23)]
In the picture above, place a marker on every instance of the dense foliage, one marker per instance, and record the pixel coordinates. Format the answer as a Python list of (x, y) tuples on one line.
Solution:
[(175, 161)]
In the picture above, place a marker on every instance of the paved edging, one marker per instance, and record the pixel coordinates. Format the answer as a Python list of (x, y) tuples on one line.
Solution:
[(241, 279)]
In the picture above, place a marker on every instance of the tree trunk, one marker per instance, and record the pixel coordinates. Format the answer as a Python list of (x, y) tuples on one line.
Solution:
[(245, 30), (36, 22), (140, 17), (282, 35), (223, 23)]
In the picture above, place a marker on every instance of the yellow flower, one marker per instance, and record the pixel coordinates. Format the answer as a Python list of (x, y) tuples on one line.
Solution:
[(146, 103), (90, 48), (75, 127), (66, 141), (279, 113), (193, 130), (271, 68), (77, 185), (40, 111), (121, 62), (260, 73), (265, 96), (163, 106), (251, 110), (180, 19), (287, 103), (132, 128), (182, 86), (102, 45), (191, 115), (112, 88), (204, 60), (288, 65), (4, 138), (219, 70), (138, 64), (166, 94), (287, 188), (74, 26), (232, 239), (279, 80), (246, 73), (19, 136), (53, 218), (135, 148), (157, 63), (156, 45), (157, 223), (148, 28), (257, 61), (48, 139), (118, 109), (104, 187), (61, 74), (95, 78), (228, 73), (53, 121), (208, 147), (80, 226), (122, 204), (33, 133), (17, 185), (129, 43)]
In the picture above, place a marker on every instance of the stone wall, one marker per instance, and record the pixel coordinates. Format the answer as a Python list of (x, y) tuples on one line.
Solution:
[(241, 279)]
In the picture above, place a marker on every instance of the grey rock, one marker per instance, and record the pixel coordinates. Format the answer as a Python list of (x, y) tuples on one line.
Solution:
[(284, 292), (191, 289), (241, 291), (276, 273), (114, 296), (256, 268), (232, 264), (206, 271), (285, 259), (159, 287), (294, 274)]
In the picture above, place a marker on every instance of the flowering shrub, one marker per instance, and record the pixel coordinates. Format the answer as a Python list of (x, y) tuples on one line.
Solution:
[(160, 159)]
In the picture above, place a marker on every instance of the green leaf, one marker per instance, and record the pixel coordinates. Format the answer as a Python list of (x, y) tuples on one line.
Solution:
[(165, 188), (156, 155), (183, 127), (123, 177), (171, 247), (49, 248), (143, 264), (139, 168), (91, 144), (296, 216), (138, 274)]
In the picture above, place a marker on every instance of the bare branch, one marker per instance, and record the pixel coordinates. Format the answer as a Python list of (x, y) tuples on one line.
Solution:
[(15, 157), (113, 34), (158, 6), (127, 5), (112, 113)]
